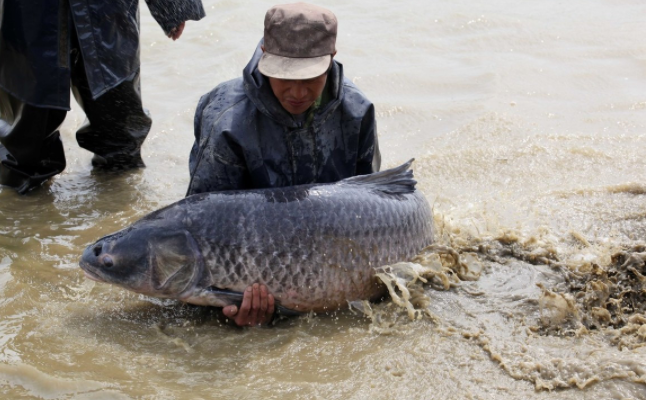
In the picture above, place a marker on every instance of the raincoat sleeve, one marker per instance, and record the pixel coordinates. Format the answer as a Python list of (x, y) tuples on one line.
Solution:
[(216, 162), (170, 13), (369, 155)]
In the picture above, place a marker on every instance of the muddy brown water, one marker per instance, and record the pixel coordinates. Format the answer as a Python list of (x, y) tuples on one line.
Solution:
[(527, 122)]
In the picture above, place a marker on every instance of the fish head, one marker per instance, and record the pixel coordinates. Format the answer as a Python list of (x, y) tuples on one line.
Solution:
[(154, 259)]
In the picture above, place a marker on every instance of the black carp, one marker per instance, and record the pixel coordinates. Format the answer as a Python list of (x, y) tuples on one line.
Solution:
[(316, 246)]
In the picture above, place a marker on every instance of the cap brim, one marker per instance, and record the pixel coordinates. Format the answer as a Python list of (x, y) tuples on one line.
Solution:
[(293, 68)]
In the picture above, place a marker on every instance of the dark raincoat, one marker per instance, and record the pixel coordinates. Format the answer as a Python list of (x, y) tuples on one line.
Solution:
[(245, 139), (35, 42)]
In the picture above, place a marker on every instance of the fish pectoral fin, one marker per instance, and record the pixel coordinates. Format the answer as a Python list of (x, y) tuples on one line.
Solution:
[(225, 295), (235, 298), (288, 312)]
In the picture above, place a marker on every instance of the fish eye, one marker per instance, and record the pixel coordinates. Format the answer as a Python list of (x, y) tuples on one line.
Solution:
[(107, 261)]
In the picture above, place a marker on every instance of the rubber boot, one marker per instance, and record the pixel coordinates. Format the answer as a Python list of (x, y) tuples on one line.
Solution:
[(31, 150), (116, 124), (22, 180)]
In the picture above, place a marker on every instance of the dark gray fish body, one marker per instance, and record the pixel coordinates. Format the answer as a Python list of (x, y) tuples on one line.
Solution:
[(314, 246)]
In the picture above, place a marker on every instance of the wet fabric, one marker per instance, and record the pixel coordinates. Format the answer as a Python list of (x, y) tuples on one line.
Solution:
[(245, 139), (116, 123), (31, 150), (35, 43)]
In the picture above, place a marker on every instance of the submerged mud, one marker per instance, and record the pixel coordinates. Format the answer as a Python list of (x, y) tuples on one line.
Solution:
[(610, 298), (600, 309)]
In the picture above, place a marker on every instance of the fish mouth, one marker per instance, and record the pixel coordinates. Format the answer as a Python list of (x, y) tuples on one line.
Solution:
[(89, 274)]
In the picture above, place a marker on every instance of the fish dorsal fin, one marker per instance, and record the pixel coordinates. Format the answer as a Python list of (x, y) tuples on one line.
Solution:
[(398, 180)]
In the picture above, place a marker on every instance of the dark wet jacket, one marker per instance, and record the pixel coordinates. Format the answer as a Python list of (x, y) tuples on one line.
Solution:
[(35, 41), (244, 138)]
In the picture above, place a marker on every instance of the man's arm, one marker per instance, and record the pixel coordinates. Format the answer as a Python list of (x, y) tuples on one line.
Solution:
[(175, 33), (172, 15), (214, 164), (216, 161)]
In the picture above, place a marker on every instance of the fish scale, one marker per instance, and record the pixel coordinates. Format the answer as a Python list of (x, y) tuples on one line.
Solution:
[(314, 246)]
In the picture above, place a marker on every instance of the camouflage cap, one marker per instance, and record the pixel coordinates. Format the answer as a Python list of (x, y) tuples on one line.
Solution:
[(299, 40)]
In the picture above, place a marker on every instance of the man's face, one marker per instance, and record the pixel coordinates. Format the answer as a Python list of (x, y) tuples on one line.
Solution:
[(296, 96)]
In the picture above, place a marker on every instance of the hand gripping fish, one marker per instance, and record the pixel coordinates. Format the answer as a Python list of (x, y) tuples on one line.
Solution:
[(315, 246)]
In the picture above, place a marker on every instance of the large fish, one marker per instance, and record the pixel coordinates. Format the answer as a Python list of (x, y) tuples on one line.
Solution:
[(316, 246)]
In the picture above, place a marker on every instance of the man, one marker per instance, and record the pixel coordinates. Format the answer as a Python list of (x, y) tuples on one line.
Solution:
[(291, 119), (94, 44)]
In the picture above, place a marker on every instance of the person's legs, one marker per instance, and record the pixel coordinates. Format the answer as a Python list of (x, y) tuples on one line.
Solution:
[(116, 123), (31, 150)]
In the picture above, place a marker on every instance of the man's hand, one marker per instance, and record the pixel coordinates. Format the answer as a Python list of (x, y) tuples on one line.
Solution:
[(176, 32), (257, 307)]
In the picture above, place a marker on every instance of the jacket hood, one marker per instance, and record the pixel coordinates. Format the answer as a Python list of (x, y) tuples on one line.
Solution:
[(258, 89)]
